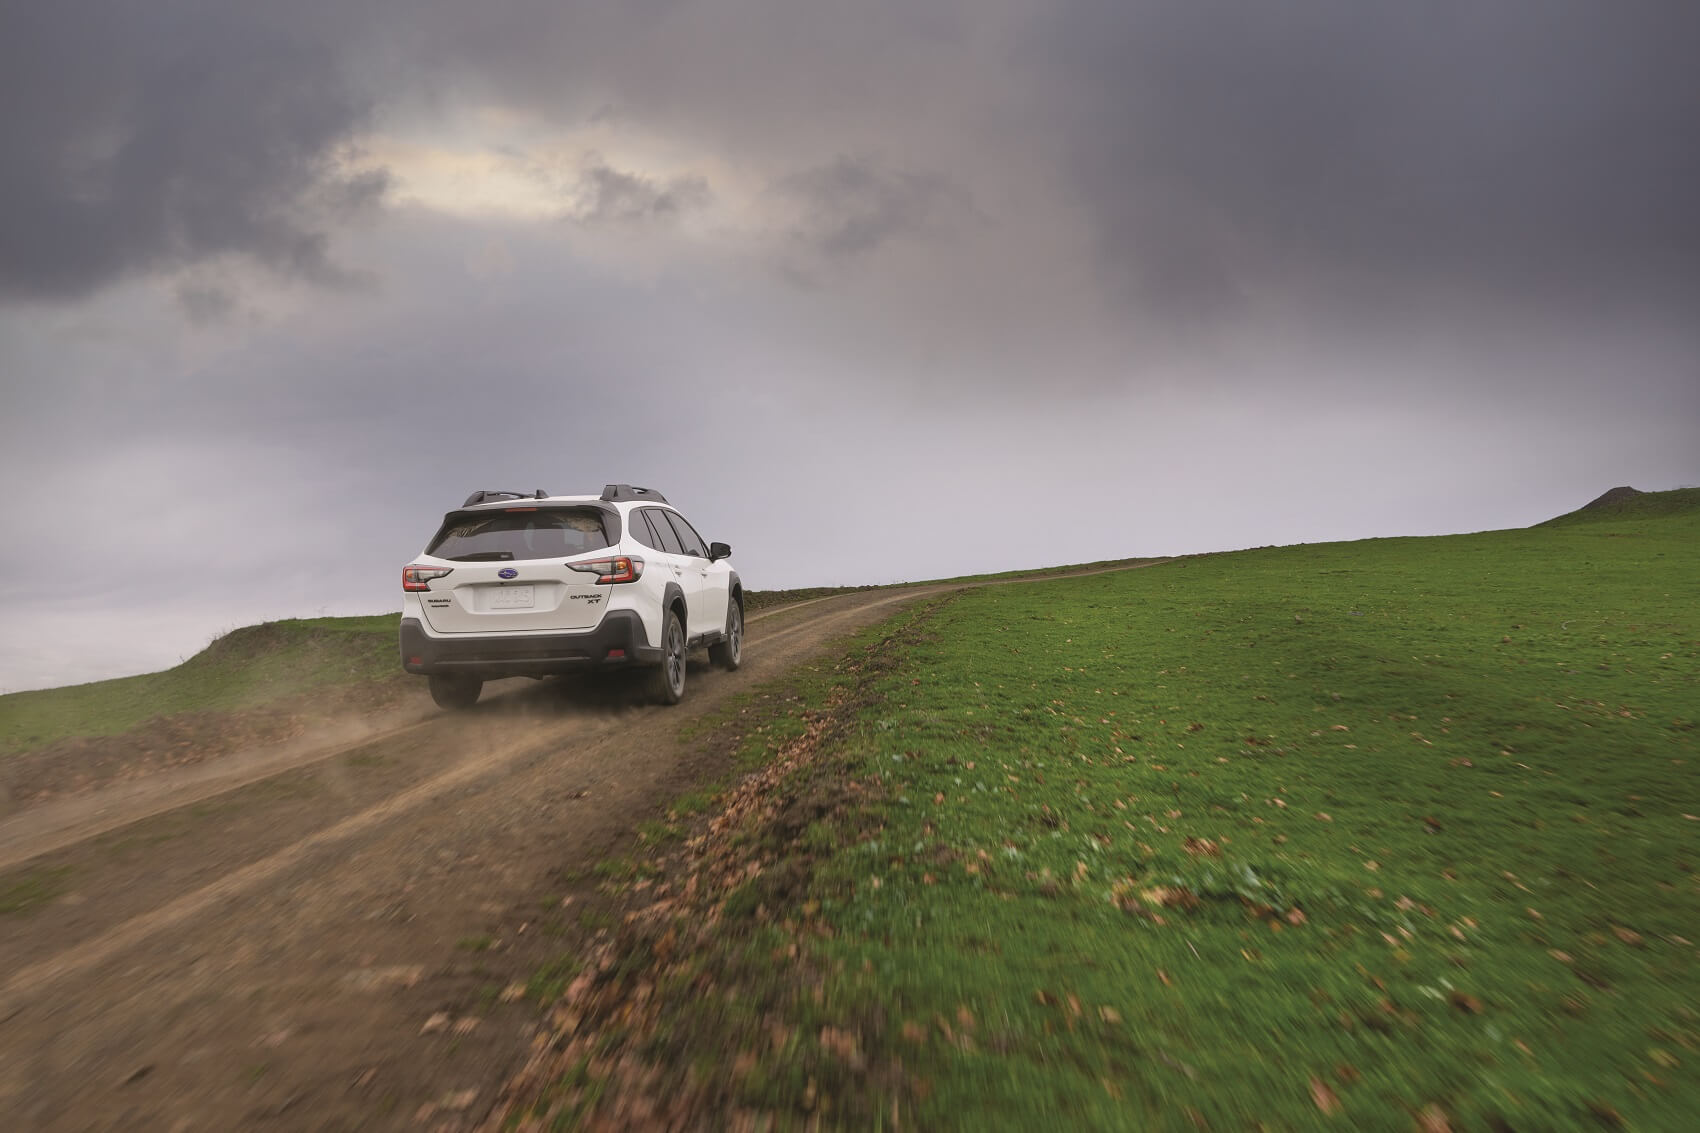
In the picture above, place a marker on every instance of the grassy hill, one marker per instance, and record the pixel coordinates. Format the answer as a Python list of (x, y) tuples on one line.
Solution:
[(1389, 834), (245, 668), (1627, 504)]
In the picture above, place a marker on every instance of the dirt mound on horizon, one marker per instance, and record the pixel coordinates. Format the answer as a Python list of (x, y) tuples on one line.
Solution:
[(1606, 499), (1629, 504)]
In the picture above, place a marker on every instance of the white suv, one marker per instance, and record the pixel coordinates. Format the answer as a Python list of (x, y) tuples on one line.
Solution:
[(533, 585)]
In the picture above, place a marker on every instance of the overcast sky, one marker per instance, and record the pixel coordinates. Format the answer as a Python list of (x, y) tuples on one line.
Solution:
[(880, 290)]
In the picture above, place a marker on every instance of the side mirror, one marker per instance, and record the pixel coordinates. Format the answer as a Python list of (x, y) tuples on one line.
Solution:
[(718, 551)]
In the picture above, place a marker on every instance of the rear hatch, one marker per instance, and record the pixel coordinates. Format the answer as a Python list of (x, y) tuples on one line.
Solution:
[(509, 571)]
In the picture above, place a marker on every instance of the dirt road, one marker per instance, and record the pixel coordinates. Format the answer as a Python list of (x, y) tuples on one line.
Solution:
[(323, 941), (335, 936)]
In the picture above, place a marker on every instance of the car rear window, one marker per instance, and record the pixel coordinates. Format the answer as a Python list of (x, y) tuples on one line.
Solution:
[(546, 533)]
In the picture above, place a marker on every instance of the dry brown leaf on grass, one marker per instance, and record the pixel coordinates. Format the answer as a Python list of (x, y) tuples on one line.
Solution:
[(1432, 1119), (1168, 897), (841, 1043), (1326, 1099)]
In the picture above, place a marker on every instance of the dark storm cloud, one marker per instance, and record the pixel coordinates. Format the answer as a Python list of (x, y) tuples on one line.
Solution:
[(852, 205), (603, 195), (1216, 151), (1543, 151), (138, 137), (205, 302)]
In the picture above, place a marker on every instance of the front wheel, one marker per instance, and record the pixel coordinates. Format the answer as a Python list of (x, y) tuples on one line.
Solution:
[(455, 692), (729, 653), (667, 686)]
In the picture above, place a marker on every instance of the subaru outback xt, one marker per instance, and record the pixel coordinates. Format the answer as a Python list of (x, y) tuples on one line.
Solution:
[(535, 585)]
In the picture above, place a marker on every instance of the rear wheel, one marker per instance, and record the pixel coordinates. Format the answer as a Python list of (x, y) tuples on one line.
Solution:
[(455, 692), (730, 652), (667, 685)]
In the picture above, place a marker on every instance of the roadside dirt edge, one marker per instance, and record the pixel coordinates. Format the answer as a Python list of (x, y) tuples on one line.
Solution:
[(590, 1065)]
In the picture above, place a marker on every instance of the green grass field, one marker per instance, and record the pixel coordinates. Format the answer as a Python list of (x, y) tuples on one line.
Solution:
[(245, 668), (1367, 828), (1381, 835)]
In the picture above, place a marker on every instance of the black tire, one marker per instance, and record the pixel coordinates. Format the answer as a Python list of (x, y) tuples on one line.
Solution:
[(667, 683), (729, 654), (456, 693)]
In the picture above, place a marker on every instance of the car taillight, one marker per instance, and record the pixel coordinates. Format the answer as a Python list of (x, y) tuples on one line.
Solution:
[(609, 571), (419, 577)]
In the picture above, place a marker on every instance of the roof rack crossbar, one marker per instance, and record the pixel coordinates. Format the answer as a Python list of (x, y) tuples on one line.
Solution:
[(483, 496), (618, 492)]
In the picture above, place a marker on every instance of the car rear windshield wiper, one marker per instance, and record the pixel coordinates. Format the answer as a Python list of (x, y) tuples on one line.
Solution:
[(482, 557)]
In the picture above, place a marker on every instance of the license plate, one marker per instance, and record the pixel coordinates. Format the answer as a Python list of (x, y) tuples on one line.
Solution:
[(511, 598)]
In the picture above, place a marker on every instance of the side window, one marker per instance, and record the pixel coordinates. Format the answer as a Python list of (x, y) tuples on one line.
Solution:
[(663, 530), (688, 536), (640, 530)]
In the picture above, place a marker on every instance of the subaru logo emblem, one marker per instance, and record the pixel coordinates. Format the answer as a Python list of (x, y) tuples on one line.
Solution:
[(507, 572)]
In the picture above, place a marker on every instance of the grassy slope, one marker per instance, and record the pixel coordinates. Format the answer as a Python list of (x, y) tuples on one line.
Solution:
[(1500, 731), (1048, 572), (244, 668), (1372, 834), (1645, 505)]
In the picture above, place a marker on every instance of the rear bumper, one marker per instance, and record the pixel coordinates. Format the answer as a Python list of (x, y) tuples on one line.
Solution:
[(531, 655)]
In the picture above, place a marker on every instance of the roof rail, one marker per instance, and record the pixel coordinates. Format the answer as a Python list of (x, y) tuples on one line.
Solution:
[(617, 492), (484, 497)]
